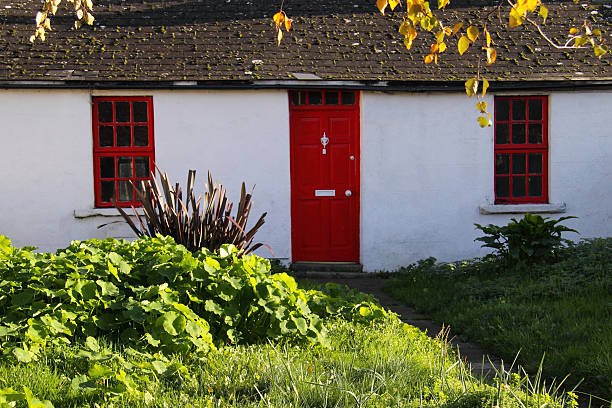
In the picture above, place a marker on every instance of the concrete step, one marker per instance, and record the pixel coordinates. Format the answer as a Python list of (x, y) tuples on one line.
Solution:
[(322, 270)]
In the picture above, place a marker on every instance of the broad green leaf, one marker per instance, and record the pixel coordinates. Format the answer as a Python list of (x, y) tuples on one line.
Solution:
[(99, 371), (159, 366), (34, 402), (22, 355), (173, 323), (5, 244), (151, 340), (92, 344), (108, 288), (193, 329), (113, 270), (463, 44), (8, 395), (301, 324)]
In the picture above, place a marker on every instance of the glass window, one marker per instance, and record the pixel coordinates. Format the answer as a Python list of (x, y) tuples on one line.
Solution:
[(123, 148)]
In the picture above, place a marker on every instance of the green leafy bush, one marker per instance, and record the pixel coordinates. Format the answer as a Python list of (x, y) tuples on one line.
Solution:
[(530, 239), (208, 224)]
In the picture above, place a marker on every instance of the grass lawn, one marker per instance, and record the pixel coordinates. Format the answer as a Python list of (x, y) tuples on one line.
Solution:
[(147, 323), (561, 312)]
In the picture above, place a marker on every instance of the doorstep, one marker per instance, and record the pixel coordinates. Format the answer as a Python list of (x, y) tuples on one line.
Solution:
[(327, 269)]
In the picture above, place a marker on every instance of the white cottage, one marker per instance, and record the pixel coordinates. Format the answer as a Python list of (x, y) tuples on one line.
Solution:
[(360, 153)]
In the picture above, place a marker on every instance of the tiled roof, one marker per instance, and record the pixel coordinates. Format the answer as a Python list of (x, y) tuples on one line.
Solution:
[(234, 40)]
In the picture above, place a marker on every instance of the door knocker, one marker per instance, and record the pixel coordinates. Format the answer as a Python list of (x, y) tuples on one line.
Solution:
[(324, 142)]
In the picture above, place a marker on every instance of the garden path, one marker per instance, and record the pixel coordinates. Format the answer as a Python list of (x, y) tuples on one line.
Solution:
[(479, 360)]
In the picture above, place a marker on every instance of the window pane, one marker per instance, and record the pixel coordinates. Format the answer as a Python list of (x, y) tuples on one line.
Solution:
[(502, 133), (124, 136), (502, 109), (535, 186), (535, 109), (125, 191), (105, 136), (535, 163), (348, 98), (502, 187), (141, 136), (124, 167), (502, 163), (298, 97), (105, 112), (518, 163), (142, 166), (107, 191), (331, 98), (535, 133), (518, 186), (518, 109), (141, 113), (107, 167), (122, 111), (518, 134), (315, 98)]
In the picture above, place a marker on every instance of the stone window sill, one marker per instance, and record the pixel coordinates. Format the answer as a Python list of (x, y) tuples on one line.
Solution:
[(552, 208), (102, 212)]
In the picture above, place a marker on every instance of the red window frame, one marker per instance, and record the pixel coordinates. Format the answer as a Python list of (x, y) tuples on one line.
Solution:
[(521, 155), (107, 146)]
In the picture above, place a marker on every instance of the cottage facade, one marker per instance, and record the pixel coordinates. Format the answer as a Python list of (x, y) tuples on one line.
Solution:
[(354, 161)]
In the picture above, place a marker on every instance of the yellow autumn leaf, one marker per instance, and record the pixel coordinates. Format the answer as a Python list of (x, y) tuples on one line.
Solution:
[(472, 33), (413, 13), (599, 51), (485, 86), (89, 5), (47, 24), (456, 28), (89, 19), (442, 47), (429, 58), (481, 106), (574, 31), (382, 5), (488, 37), (484, 122), (543, 13), (463, 44), (288, 22), (532, 4), (516, 19), (40, 17), (434, 48), (440, 36), (442, 3), (471, 87), (491, 55), (79, 14), (393, 4), (279, 36), (279, 18), (403, 28)]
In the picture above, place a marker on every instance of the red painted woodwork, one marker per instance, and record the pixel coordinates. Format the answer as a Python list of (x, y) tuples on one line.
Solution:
[(324, 228), (521, 149), (123, 147)]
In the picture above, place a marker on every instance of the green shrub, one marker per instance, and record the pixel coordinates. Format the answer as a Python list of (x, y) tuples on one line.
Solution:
[(525, 241)]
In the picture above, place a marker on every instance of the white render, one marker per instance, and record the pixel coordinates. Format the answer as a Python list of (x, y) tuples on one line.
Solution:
[(426, 166)]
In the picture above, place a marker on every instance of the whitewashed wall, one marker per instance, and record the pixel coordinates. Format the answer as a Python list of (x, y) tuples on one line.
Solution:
[(426, 166), (46, 159)]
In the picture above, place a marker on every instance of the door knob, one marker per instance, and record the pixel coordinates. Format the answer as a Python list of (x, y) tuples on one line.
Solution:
[(348, 193)]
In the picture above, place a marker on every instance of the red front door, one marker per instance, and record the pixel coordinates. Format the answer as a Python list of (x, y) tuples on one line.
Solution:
[(324, 175)]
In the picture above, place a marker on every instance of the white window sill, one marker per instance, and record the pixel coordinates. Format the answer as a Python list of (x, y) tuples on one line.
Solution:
[(103, 212), (523, 208)]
